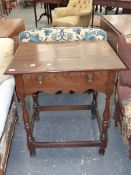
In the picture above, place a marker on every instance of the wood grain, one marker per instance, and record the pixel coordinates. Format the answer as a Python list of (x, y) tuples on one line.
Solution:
[(11, 28), (61, 57)]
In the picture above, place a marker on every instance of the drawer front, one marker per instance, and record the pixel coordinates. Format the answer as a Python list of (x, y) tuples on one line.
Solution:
[(76, 81)]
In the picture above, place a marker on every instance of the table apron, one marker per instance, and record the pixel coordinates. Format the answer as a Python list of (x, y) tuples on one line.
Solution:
[(65, 82)]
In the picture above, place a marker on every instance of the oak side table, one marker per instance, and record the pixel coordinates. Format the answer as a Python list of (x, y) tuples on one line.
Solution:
[(54, 67)]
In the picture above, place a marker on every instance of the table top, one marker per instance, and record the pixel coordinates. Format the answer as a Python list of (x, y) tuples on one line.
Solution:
[(65, 56), (113, 0), (117, 3), (108, 1), (121, 23), (48, 1)]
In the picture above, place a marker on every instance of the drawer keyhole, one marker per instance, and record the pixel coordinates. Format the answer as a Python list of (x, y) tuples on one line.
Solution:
[(90, 77), (39, 78)]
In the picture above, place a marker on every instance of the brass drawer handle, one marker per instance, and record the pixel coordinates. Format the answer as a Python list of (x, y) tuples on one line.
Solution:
[(90, 77), (40, 79)]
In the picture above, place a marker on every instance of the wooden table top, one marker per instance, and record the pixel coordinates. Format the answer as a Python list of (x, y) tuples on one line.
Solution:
[(121, 23), (65, 56), (8, 25), (114, 3)]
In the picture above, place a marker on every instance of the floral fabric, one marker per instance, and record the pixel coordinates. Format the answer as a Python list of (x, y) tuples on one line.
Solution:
[(62, 34)]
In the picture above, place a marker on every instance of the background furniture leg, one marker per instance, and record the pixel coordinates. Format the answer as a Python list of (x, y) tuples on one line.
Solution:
[(35, 106)]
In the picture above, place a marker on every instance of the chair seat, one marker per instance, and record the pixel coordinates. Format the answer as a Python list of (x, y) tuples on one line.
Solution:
[(68, 21), (76, 14)]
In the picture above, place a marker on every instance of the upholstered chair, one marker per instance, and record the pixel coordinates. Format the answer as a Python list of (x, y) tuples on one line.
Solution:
[(76, 14), (122, 113), (7, 102)]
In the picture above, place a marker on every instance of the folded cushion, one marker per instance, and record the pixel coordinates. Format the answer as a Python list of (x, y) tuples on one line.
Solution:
[(6, 54), (6, 93), (62, 34)]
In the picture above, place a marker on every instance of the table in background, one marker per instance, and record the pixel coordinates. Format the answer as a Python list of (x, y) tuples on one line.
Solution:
[(47, 8), (72, 66), (115, 25), (11, 28), (125, 4)]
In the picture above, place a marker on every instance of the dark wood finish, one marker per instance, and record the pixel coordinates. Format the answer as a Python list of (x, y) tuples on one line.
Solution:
[(11, 28), (125, 4), (71, 66), (64, 108), (67, 144), (126, 11), (115, 25)]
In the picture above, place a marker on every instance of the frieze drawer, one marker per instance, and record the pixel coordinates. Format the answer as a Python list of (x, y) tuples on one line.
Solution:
[(64, 81)]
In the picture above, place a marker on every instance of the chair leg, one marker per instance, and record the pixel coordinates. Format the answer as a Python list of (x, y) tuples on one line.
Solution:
[(35, 106), (100, 8), (117, 11), (50, 14), (96, 8)]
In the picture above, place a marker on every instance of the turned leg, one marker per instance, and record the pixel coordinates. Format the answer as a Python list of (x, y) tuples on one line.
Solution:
[(92, 21), (100, 8), (35, 106), (34, 4), (28, 128), (94, 105), (48, 13), (105, 123), (117, 11)]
